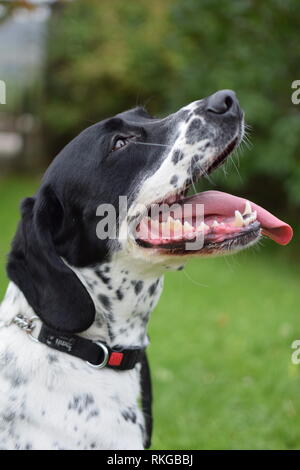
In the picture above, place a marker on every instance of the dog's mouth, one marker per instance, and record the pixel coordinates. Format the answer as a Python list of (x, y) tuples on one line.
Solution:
[(210, 222)]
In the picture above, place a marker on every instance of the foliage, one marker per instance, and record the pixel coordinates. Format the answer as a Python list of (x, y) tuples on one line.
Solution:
[(104, 57), (107, 56)]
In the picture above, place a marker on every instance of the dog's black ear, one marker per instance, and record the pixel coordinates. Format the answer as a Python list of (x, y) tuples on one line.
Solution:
[(52, 289)]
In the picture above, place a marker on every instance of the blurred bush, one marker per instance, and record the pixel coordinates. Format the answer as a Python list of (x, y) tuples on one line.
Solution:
[(104, 57)]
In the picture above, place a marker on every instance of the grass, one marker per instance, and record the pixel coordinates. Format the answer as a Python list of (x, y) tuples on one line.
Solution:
[(220, 346), (221, 355), (12, 191)]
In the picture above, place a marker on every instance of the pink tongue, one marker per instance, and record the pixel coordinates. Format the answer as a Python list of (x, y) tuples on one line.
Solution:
[(219, 203)]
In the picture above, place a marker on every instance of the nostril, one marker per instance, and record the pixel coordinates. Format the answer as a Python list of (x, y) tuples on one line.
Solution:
[(221, 102), (228, 102)]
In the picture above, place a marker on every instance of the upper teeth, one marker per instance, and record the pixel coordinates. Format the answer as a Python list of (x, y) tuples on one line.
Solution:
[(247, 217), (248, 209), (250, 218), (238, 220), (202, 227), (175, 226)]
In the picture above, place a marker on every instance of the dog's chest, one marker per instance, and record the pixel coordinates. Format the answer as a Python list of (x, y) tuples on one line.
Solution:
[(49, 400)]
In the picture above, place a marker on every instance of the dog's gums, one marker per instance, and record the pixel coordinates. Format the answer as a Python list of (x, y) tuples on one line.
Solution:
[(169, 232)]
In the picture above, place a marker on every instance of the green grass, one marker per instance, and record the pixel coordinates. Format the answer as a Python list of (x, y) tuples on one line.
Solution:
[(221, 355), (12, 191), (220, 346)]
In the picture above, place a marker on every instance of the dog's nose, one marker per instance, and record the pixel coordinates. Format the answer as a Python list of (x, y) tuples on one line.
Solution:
[(222, 102)]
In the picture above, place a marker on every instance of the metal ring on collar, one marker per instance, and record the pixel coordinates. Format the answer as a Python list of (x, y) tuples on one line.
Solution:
[(106, 357), (32, 326)]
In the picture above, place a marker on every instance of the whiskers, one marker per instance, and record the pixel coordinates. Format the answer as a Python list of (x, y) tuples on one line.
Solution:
[(238, 151), (246, 137), (150, 143)]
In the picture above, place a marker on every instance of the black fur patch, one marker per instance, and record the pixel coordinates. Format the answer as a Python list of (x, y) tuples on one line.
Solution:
[(177, 156)]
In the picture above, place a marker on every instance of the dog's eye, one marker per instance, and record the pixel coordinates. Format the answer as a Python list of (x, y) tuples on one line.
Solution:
[(119, 143)]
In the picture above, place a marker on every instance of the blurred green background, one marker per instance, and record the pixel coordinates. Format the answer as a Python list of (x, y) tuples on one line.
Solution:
[(222, 332)]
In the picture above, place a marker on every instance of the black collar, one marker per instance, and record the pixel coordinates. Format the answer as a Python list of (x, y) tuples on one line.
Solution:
[(96, 353)]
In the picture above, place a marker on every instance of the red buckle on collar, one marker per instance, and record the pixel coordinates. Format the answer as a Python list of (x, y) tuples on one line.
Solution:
[(115, 359)]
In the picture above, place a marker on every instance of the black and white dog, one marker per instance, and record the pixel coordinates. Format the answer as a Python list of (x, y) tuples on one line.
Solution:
[(83, 288)]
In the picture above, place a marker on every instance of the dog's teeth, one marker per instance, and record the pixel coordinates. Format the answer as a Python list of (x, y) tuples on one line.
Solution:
[(248, 209), (178, 228), (251, 218), (170, 222), (155, 224), (202, 227), (215, 223), (238, 221), (187, 227)]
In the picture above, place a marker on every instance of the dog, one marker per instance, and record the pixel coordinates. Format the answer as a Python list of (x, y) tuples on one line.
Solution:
[(79, 295)]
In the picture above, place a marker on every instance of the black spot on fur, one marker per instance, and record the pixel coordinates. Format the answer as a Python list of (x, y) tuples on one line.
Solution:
[(120, 294), (177, 156), (174, 180), (8, 416), (129, 415), (52, 358), (104, 279), (138, 286), (92, 414), (193, 132), (105, 301), (15, 377), (194, 167), (81, 402), (7, 358), (153, 288)]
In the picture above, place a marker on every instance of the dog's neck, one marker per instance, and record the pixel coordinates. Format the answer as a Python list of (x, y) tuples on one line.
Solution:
[(123, 296)]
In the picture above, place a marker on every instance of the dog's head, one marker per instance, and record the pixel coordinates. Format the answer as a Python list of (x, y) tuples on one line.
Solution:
[(145, 161)]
